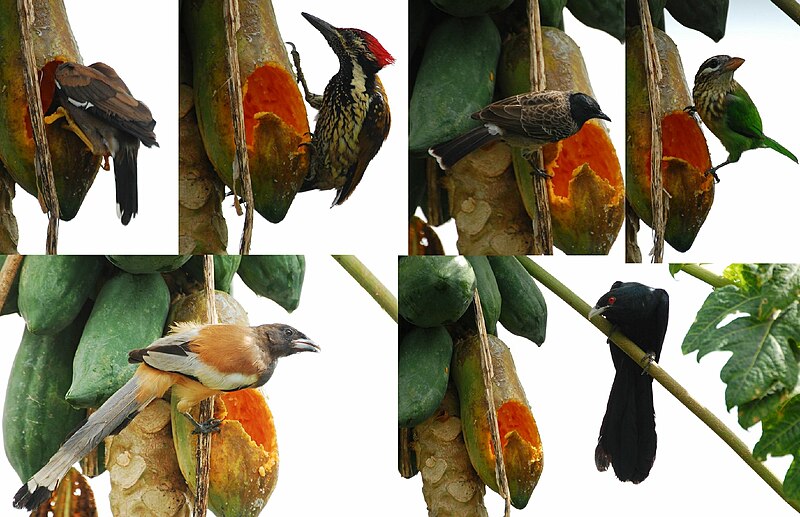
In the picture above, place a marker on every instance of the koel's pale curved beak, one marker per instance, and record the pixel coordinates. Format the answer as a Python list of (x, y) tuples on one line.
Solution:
[(597, 310)]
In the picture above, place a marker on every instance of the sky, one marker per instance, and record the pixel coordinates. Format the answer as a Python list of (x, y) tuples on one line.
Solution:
[(333, 411), (373, 218), (142, 48), (567, 381)]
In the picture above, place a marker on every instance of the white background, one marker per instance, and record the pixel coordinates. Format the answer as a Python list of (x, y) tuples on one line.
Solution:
[(373, 218), (141, 44), (334, 411)]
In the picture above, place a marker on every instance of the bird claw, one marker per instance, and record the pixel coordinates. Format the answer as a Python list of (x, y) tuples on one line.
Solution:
[(209, 426), (646, 361), (714, 174), (690, 109), (539, 172), (106, 166)]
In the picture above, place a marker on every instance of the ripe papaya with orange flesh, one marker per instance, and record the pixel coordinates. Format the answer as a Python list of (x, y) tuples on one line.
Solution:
[(685, 157), (244, 454), (519, 435), (74, 166), (275, 118), (586, 191)]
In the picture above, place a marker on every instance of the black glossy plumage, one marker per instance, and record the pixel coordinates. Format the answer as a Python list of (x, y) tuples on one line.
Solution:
[(627, 438)]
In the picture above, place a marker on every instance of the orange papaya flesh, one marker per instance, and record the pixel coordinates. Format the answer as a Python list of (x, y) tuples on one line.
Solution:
[(685, 156), (244, 454), (586, 191), (74, 166), (266, 91), (276, 124)]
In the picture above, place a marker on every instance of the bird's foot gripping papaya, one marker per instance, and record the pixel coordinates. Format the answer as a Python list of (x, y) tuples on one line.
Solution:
[(685, 157)]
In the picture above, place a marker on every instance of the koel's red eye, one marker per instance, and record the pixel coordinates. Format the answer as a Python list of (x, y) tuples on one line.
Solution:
[(611, 300)]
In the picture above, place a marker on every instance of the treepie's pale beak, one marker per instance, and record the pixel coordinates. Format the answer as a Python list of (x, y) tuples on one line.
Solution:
[(304, 345)]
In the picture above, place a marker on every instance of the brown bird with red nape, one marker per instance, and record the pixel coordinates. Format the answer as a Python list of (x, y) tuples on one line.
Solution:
[(197, 362), (100, 109)]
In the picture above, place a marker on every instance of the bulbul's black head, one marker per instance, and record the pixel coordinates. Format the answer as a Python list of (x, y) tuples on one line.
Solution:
[(583, 107), (284, 340), (628, 302)]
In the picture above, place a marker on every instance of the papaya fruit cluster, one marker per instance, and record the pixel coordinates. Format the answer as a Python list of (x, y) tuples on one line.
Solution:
[(82, 315), (466, 55), (276, 123), (440, 347)]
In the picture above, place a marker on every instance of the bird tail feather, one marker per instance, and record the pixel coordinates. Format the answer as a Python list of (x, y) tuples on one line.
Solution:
[(107, 420), (628, 433), (125, 178), (772, 144), (449, 153)]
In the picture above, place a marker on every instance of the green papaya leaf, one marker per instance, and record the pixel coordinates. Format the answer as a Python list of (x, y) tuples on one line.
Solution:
[(605, 15), (758, 321)]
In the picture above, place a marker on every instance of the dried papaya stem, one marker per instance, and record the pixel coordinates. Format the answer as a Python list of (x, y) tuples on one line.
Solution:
[(203, 454), (632, 252), (432, 186), (241, 163), (369, 282), (659, 374), (7, 275), (488, 375), (653, 66), (44, 167), (542, 226)]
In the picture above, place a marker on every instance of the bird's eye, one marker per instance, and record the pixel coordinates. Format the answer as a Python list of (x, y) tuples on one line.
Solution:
[(611, 300), (288, 332), (714, 63)]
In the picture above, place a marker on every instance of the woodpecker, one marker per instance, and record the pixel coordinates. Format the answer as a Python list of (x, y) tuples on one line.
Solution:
[(100, 109), (728, 111), (528, 120), (353, 116)]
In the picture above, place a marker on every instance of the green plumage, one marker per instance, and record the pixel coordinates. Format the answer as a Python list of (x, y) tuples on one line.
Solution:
[(728, 111)]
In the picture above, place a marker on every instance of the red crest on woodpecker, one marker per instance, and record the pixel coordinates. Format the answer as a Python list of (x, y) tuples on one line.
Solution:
[(382, 55)]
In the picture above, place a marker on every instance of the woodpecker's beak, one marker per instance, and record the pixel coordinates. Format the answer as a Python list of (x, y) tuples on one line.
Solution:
[(304, 345), (597, 310), (733, 63), (330, 32)]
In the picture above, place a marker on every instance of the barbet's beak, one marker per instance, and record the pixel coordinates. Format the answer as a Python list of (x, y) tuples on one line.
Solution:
[(304, 345), (733, 63), (603, 116)]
